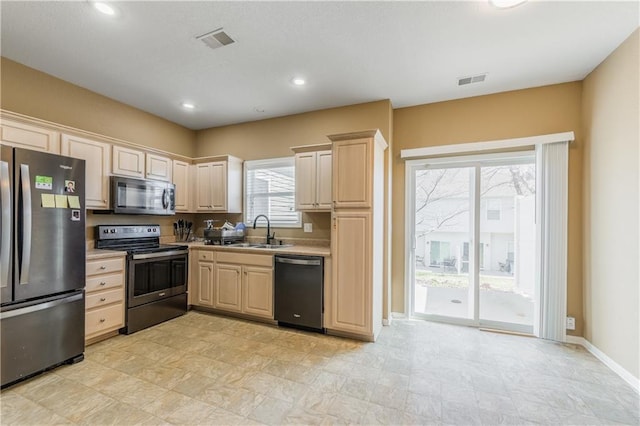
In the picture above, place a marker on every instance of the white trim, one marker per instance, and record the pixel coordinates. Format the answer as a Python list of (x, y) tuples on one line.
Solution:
[(606, 360), (486, 145)]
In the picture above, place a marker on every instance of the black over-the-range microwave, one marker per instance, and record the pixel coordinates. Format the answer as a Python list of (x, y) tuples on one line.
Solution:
[(142, 196)]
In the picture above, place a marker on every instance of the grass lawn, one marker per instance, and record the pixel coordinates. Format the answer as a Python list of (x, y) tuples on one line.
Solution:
[(487, 282)]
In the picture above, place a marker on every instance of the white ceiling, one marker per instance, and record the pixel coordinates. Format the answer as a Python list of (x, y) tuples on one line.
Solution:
[(349, 52)]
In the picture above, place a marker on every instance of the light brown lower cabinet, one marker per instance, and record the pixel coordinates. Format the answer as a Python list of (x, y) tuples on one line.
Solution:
[(233, 282), (104, 304)]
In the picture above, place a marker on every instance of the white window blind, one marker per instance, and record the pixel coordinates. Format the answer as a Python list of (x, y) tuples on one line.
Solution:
[(270, 190)]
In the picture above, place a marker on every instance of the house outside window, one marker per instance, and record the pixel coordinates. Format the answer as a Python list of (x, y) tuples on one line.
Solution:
[(269, 189), (494, 209)]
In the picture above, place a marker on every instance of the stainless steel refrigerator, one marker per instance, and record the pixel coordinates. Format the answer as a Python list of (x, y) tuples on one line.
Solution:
[(42, 262)]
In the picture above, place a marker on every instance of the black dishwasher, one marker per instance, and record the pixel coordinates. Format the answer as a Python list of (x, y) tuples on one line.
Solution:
[(298, 291)]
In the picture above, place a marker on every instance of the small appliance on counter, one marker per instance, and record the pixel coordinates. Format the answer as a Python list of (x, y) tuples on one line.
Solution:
[(221, 237)]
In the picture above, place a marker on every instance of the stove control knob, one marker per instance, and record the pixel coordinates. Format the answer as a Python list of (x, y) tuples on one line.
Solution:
[(113, 231), (105, 231), (154, 229), (149, 230)]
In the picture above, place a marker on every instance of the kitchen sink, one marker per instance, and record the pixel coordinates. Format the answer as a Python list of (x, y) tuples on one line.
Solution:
[(272, 246), (264, 246)]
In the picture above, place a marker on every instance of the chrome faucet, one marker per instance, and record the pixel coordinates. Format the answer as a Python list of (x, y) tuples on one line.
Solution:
[(269, 236)]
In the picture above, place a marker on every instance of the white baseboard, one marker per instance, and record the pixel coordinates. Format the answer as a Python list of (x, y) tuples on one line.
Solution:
[(606, 360)]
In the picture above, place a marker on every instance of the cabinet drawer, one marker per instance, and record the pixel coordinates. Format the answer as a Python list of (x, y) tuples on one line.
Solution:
[(205, 255), (245, 258), (104, 266), (102, 319), (105, 281), (104, 298)]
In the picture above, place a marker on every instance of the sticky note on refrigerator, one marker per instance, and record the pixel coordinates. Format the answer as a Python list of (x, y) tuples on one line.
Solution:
[(61, 202), (74, 201), (48, 201)]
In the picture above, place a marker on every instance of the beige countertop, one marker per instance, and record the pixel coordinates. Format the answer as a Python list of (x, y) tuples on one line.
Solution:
[(295, 249), (100, 254)]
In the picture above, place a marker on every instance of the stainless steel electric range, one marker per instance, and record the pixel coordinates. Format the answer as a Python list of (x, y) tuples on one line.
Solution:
[(156, 273)]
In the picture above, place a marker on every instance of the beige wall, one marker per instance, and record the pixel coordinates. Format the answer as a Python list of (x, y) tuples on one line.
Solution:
[(549, 109), (30, 92), (274, 137), (611, 117)]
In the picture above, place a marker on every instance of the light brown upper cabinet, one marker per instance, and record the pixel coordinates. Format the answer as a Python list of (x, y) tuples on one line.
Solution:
[(182, 180), (357, 239), (219, 186), (313, 177), (128, 162), (158, 167), (352, 173), (27, 136), (97, 156)]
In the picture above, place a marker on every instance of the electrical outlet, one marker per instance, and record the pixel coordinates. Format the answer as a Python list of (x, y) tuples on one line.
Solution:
[(308, 227), (571, 323)]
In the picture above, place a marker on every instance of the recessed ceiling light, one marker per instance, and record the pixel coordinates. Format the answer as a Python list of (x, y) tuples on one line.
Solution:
[(188, 105), (298, 81), (104, 8), (505, 4)]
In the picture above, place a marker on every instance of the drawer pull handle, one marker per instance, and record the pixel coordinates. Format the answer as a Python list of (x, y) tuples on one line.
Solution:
[(102, 320), (161, 294), (103, 283), (296, 315), (102, 299), (103, 267)]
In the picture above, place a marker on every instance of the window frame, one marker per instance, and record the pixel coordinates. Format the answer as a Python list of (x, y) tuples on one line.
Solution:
[(266, 164)]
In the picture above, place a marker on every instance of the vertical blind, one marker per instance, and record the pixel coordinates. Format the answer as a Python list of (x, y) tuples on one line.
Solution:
[(270, 190), (552, 211)]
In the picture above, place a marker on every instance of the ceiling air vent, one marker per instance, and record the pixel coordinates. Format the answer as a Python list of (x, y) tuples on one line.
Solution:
[(215, 39), (472, 79)]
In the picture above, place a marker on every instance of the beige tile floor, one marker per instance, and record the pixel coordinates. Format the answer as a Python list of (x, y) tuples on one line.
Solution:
[(206, 369)]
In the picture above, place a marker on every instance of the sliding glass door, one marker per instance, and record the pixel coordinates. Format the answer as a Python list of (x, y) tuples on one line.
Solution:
[(472, 240)]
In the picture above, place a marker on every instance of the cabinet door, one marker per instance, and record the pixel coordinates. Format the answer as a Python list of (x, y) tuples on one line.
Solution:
[(257, 291), (218, 184), (351, 283), (352, 173), (323, 180), (203, 190), (306, 181), (97, 156), (205, 284), (158, 167), (30, 137), (128, 162), (181, 181), (228, 287)]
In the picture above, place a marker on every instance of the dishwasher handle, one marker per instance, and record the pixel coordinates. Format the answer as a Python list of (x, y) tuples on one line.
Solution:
[(292, 261)]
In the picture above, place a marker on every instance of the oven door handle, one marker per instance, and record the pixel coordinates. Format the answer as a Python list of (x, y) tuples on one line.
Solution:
[(160, 254)]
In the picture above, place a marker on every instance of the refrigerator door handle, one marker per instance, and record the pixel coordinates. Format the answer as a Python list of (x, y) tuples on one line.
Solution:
[(26, 223), (5, 239)]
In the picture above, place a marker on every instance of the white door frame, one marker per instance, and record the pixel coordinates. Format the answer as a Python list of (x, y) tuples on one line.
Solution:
[(477, 161)]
